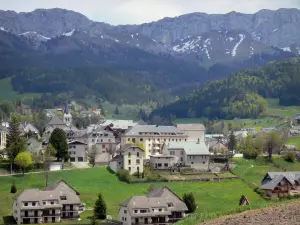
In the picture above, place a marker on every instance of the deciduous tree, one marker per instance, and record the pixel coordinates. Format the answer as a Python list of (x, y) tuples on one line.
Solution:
[(273, 143), (23, 160)]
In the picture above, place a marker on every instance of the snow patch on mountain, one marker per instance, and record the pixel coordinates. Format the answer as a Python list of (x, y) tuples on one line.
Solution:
[(2, 28), (286, 49), (230, 39), (68, 34), (189, 45), (251, 51), (242, 37), (117, 40), (275, 30), (35, 34)]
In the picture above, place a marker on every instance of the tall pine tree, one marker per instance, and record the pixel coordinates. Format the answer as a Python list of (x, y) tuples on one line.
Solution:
[(232, 142), (14, 142), (100, 208), (58, 140)]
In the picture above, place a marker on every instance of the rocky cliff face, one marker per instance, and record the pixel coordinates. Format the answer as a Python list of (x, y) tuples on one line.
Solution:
[(277, 28), (197, 36)]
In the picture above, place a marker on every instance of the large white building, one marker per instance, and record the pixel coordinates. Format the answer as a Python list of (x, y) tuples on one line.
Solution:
[(152, 137)]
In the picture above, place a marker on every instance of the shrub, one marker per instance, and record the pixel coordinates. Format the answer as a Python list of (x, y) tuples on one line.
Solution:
[(124, 175), (13, 188), (189, 200), (289, 157)]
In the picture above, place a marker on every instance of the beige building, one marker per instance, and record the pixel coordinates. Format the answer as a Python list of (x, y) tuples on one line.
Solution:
[(194, 131), (152, 137), (160, 206), (129, 157), (56, 202), (193, 154)]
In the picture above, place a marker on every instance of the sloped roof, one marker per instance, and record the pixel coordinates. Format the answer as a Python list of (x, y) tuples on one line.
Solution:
[(136, 130), (125, 147), (274, 182), (190, 147), (55, 184), (56, 121), (191, 126), (119, 124)]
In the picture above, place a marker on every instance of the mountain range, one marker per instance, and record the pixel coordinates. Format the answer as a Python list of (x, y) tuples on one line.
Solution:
[(190, 49)]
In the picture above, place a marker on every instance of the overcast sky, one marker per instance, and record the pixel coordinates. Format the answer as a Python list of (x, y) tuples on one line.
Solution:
[(141, 11)]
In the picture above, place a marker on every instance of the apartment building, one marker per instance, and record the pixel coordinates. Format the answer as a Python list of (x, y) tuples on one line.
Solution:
[(152, 137), (161, 206), (194, 154), (129, 157), (58, 201), (78, 151)]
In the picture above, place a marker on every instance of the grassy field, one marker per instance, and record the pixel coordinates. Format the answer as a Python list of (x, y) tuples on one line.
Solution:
[(295, 140), (253, 171), (211, 197), (285, 111), (7, 92)]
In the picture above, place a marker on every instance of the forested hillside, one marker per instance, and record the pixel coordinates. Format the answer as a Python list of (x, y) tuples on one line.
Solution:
[(241, 94)]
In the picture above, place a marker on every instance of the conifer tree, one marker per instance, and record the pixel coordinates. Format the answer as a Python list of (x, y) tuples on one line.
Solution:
[(13, 188), (100, 208), (189, 200), (58, 140)]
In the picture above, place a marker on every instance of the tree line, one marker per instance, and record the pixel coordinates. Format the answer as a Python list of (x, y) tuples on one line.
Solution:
[(241, 94)]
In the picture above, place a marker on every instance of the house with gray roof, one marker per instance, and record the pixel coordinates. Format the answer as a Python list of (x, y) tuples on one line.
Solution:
[(280, 184), (58, 201), (160, 206), (193, 154), (129, 157)]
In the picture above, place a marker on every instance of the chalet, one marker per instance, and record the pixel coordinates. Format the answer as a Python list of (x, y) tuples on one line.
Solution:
[(160, 206), (56, 202), (281, 184)]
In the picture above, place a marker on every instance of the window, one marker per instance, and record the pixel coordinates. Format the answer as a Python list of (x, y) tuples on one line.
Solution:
[(133, 140), (203, 162), (181, 159), (176, 140), (33, 204), (63, 198), (129, 162), (170, 205), (138, 169), (26, 204), (122, 218), (128, 139), (192, 162), (44, 203), (93, 140), (137, 161), (52, 203), (143, 211), (129, 168), (166, 164), (185, 140), (159, 164), (137, 154), (129, 154), (108, 140), (125, 218), (103, 146), (141, 139), (165, 139), (159, 210), (149, 139), (135, 211), (125, 211), (181, 152), (101, 140)]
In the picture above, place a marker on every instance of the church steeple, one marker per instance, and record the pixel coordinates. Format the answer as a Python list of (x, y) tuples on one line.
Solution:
[(67, 118)]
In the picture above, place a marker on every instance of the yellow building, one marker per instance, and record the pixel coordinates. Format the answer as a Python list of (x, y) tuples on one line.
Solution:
[(152, 137)]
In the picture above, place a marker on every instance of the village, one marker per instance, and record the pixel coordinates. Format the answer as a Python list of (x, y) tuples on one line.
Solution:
[(137, 152)]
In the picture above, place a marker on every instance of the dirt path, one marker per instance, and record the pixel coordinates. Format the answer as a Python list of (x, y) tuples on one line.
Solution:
[(284, 214)]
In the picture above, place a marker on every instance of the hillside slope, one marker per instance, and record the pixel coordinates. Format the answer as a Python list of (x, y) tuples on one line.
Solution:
[(281, 214), (240, 94)]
